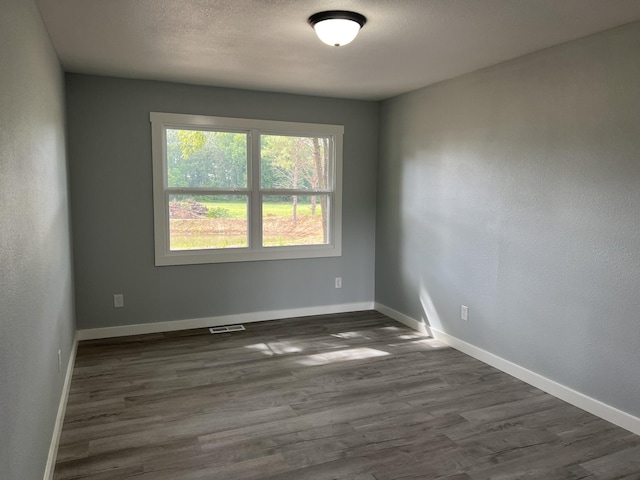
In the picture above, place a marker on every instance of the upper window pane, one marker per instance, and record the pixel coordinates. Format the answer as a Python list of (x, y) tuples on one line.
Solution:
[(205, 159), (294, 163)]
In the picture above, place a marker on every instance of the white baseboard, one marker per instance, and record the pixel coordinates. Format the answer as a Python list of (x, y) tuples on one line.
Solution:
[(580, 400), (62, 407), (142, 328)]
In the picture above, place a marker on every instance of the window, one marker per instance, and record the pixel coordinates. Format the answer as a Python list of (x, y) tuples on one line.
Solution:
[(231, 189)]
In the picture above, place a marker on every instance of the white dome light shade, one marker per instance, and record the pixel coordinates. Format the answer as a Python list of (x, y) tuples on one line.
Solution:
[(337, 31), (337, 28)]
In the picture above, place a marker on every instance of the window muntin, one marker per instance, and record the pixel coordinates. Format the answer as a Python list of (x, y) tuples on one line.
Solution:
[(229, 189)]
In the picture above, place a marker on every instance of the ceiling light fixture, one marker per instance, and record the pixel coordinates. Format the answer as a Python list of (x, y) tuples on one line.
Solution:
[(337, 27)]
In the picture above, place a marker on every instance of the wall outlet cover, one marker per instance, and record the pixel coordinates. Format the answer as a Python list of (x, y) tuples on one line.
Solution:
[(118, 300)]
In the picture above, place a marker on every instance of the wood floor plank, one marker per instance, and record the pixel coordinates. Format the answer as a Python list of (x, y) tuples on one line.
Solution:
[(339, 397)]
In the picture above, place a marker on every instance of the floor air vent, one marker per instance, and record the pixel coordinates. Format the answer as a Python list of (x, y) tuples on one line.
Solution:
[(227, 328)]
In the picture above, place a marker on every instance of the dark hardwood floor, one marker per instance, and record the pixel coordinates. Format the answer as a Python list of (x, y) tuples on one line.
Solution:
[(352, 396)]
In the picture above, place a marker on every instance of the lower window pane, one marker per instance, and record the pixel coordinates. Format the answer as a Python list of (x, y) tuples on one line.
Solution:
[(207, 222), (294, 220)]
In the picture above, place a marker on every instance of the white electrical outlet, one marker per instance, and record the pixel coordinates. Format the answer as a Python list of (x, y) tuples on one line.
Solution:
[(338, 282), (118, 300), (59, 360), (464, 313)]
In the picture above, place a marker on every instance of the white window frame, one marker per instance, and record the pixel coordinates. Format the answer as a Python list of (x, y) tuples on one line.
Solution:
[(160, 122)]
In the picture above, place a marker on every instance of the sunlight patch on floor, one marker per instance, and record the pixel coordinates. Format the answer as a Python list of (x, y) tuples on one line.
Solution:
[(409, 336), (350, 335), (275, 348), (341, 356)]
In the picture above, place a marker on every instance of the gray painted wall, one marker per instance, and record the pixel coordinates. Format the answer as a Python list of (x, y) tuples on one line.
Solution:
[(111, 192), (515, 190), (36, 299)]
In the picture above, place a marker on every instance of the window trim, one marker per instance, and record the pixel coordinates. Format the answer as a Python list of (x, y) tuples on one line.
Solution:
[(160, 122)]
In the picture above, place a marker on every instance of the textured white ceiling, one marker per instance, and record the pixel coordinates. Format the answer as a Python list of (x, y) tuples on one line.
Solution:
[(268, 45)]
